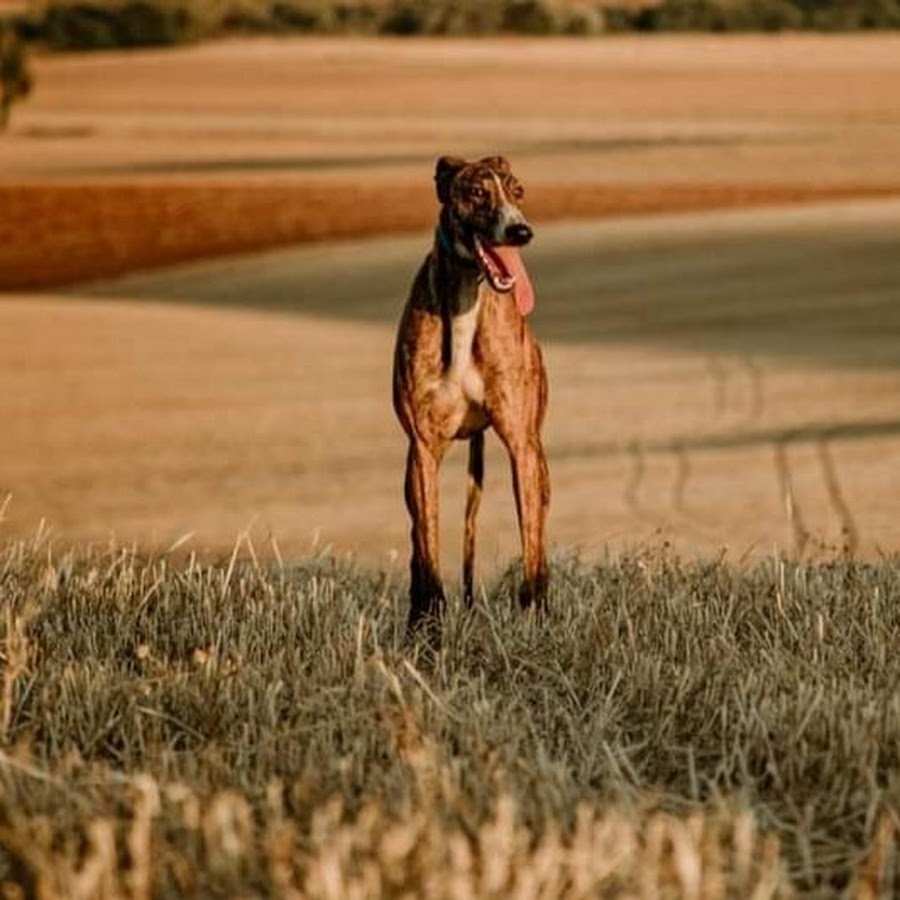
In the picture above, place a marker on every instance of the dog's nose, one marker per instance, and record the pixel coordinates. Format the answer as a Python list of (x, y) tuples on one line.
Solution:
[(519, 234)]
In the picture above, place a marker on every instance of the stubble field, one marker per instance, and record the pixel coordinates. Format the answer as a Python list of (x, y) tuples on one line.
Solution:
[(125, 161), (150, 422)]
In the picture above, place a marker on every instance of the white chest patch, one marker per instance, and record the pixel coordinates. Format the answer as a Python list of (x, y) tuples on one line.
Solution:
[(462, 370)]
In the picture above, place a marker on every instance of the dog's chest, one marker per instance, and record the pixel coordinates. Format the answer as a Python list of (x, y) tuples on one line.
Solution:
[(463, 369), (455, 404)]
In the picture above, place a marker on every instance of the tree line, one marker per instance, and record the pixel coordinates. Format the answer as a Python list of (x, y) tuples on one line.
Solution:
[(98, 24)]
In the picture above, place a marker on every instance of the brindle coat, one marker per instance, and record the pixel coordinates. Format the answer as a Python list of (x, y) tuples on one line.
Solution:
[(466, 360)]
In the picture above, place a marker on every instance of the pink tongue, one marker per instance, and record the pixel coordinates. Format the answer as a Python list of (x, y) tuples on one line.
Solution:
[(512, 259)]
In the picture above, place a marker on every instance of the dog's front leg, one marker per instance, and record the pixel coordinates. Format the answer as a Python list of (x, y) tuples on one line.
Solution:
[(426, 594), (531, 483)]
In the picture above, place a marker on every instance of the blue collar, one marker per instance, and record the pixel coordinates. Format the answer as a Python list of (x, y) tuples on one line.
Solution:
[(443, 240), (444, 243)]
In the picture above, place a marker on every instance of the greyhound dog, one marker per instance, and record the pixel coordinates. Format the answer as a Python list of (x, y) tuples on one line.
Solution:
[(465, 361)]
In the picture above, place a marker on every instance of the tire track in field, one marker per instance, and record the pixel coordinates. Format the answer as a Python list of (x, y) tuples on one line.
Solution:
[(739, 439)]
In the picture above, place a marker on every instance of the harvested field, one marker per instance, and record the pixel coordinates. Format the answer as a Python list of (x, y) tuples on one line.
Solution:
[(688, 402), (55, 234), (691, 109), (199, 151)]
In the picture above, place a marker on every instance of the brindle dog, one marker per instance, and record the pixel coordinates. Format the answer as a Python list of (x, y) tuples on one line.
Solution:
[(465, 361)]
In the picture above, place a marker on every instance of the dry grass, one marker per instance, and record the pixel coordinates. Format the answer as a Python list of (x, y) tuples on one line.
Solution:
[(53, 234), (670, 729)]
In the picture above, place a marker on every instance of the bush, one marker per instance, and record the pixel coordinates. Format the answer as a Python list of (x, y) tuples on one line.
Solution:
[(138, 23), (465, 17), (248, 20), (404, 19), (15, 76), (844, 15), (617, 19), (460, 18), (297, 17), (757, 15), (586, 20), (144, 23), (771, 15), (354, 18), (529, 17), (95, 24), (688, 15), (79, 27)]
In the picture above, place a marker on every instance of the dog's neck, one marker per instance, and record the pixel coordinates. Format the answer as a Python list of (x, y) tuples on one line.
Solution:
[(455, 274)]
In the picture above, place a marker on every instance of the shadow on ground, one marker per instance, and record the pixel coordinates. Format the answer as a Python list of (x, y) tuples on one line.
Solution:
[(820, 283)]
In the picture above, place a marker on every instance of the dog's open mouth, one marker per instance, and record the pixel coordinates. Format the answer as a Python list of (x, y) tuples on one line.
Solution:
[(505, 271), (497, 264)]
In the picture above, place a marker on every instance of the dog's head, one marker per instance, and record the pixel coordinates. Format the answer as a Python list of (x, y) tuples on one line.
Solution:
[(481, 214)]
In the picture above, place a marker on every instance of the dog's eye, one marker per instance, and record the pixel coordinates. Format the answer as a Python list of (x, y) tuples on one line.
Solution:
[(518, 192), (477, 193)]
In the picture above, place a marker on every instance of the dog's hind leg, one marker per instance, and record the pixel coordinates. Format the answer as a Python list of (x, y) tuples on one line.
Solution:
[(426, 594), (473, 498)]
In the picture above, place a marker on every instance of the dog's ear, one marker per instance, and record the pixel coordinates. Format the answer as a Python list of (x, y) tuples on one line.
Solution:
[(444, 172), (498, 164)]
